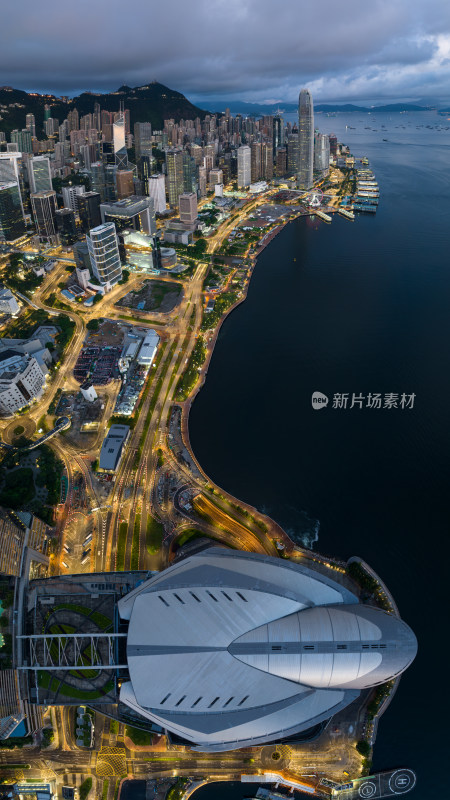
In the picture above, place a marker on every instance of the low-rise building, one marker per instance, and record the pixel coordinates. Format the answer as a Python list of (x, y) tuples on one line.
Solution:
[(22, 380), (8, 303), (113, 447), (148, 349)]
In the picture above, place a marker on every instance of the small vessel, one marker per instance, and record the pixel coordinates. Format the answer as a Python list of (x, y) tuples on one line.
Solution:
[(364, 207), (347, 214), (322, 215)]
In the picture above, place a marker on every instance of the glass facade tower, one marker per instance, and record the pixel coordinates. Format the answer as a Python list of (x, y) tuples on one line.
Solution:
[(306, 140)]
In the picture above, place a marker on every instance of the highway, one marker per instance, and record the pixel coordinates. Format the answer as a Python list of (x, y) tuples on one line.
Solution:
[(133, 497)]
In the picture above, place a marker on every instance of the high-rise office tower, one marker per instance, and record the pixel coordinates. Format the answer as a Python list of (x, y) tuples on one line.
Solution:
[(12, 224), (133, 213), (281, 164), (306, 139), (321, 153), (188, 207), (120, 150), (104, 254), (125, 185), (23, 140), (255, 170), (65, 226), (30, 123), (39, 174), (266, 161), (202, 177), (278, 133), (147, 166), (293, 154), (189, 172), (333, 144), (70, 197), (244, 166), (89, 210), (44, 212), (110, 183), (97, 173), (10, 166), (215, 176), (174, 164), (142, 139), (157, 190)]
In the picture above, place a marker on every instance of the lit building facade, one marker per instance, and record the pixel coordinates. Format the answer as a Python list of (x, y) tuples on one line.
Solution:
[(44, 212), (12, 224), (244, 166), (306, 140), (39, 174), (104, 255), (175, 181)]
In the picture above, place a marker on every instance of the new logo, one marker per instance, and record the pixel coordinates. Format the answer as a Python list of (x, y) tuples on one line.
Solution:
[(319, 400)]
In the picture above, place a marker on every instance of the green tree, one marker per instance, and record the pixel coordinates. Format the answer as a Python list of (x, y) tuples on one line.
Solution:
[(93, 325), (363, 747)]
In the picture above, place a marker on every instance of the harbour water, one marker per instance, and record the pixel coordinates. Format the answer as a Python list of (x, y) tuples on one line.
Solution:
[(355, 307)]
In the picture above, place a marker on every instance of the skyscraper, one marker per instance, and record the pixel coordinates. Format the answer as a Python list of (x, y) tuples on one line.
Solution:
[(306, 140), (293, 154), (142, 139), (23, 140), (188, 207), (157, 190), (10, 171), (30, 123), (174, 163), (146, 169), (12, 225), (255, 170), (244, 166), (125, 185), (321, 153), (65, 225), (89, 210), (39, 174), (70, 197), (189, 172), (120, 150), (278, 133), (104, 254), (97, 172), (44, 212)]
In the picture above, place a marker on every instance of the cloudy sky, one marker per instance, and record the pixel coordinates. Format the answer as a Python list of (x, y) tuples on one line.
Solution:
[(253, 50)]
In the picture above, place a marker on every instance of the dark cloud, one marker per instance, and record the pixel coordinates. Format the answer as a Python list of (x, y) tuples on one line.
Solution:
[(248, 49)]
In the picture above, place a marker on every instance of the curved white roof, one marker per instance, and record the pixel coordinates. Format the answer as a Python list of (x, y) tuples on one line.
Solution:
[(231, 649)]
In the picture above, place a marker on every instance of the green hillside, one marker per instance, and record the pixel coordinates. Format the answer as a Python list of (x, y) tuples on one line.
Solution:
[(151, 103)]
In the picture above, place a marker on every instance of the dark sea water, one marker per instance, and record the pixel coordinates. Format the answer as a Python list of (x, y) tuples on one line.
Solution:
[(364, 307)]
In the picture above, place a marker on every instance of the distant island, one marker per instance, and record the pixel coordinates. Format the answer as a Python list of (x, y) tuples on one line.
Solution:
[(258, 109)]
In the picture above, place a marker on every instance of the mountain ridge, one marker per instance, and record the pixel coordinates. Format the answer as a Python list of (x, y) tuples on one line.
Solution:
[(152, 102)]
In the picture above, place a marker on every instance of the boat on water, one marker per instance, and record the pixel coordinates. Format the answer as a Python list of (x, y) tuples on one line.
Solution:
[(364, 207), (345, 213), (322, 215), (369, 201)]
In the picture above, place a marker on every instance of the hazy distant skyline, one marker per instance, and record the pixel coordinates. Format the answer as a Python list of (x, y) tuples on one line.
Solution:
[(219, 50)]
